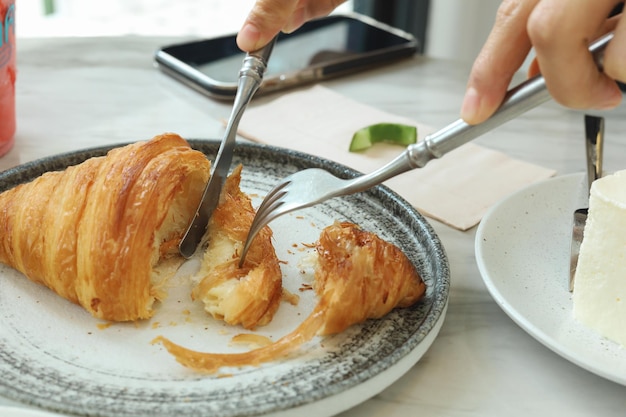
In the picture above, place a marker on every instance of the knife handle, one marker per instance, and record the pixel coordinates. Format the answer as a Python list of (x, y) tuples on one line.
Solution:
[(250, 78), (594, 147)]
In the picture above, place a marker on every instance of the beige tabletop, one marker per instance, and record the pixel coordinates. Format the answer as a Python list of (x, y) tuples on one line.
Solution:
[(75, 93)]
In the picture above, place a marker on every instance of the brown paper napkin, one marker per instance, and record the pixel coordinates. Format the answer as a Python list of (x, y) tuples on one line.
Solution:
[(456, 189)]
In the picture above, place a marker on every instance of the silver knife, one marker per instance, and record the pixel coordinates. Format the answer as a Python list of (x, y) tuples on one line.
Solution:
[(594, 150), (250, 78)]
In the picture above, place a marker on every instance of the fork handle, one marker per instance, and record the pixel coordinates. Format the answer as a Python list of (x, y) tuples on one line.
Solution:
[(518, 100)]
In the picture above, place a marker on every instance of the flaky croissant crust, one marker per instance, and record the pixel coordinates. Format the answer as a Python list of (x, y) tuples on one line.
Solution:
[(95, 232), (254, 291)]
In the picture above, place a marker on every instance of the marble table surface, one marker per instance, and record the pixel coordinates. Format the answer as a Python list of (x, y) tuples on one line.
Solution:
[(75, 93)]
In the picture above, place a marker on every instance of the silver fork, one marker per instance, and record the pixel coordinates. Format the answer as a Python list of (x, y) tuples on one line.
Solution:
[(312, 186)]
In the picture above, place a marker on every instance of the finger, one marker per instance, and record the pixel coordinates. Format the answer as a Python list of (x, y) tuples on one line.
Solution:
[(560, 31), (501, 56), (533, 68), (607, 27), (614, 56), (310, 9), (264, 21)]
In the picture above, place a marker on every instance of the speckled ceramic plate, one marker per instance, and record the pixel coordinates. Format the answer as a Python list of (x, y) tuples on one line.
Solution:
[(523, 253), (55, 355), (24, 412)]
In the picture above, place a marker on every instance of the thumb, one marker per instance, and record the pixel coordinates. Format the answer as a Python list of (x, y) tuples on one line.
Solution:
[(264, 21)]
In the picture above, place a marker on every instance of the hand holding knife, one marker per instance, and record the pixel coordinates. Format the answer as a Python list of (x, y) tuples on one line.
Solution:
[(250, 77)]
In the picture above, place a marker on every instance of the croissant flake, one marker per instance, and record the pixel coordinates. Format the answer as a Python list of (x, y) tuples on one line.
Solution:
[(359, 277)]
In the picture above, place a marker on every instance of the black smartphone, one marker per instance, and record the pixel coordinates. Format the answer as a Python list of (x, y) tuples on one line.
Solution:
[(323, 48)]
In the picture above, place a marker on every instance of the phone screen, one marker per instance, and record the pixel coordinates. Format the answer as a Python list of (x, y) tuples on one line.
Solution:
[(336, 40), (325, 47)]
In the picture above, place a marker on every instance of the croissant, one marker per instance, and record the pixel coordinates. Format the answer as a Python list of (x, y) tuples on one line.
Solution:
[(103, 233), (250, 295), (359, 276), (107, 233)]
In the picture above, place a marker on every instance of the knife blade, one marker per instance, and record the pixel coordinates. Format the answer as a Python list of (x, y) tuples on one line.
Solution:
[(594, 149), (250, 78)]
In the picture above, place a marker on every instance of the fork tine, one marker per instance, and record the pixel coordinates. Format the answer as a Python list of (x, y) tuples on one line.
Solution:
[(254, 230), (279, 200), (275, 193), (265, 213), (261, 219)]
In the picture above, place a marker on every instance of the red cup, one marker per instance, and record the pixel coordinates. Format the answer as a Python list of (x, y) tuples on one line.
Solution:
[(7, 75)]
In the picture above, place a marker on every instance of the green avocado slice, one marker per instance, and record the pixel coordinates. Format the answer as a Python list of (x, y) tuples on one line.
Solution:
[(394, 133)]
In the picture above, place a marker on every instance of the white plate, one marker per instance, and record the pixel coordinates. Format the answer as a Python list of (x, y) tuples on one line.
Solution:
[(523, 252), (24, 412), (55, 355)]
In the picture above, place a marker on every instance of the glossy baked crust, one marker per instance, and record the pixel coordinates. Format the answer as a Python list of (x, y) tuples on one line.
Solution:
[(101, 233), (359, 276), (247, 296)]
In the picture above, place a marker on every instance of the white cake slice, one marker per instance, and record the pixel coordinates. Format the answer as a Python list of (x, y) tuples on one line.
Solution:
[(600, 281)]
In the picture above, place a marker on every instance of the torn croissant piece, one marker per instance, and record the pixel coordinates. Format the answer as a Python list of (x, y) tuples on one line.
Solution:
[(359, 276), (103, 233), (247, 296)]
